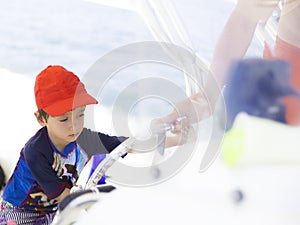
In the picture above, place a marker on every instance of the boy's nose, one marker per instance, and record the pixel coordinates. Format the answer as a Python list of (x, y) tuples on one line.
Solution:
[(74, 124)]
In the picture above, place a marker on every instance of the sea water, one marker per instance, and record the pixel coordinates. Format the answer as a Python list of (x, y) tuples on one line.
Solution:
[(74, 33)]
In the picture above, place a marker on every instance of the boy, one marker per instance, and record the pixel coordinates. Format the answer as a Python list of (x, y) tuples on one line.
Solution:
[(51, 160)]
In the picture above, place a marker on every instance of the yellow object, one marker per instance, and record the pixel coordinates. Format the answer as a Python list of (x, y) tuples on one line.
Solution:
[(232, 148), (259, 141)]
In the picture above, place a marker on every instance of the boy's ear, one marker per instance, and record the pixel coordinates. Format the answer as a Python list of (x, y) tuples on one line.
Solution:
[(39, 119)]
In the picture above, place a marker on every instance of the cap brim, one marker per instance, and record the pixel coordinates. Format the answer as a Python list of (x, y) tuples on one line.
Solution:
[(66, 105)]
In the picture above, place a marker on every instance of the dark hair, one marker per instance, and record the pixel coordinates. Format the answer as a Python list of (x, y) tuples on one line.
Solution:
[(43, 115), (2, 178)]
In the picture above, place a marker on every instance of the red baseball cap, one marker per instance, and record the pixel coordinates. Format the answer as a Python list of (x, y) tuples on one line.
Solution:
[(58, 91)]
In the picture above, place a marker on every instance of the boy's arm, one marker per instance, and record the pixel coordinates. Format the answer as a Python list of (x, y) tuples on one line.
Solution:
[(94, 142), (54, 187)]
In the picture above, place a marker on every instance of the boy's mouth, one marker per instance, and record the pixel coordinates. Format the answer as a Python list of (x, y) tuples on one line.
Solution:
[(73, 135)]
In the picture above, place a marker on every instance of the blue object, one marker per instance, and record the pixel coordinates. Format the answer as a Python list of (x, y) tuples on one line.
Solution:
[(97, 159), (256, 86)]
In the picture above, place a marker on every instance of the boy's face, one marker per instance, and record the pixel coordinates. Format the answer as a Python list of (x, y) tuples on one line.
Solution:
[(65, 128)]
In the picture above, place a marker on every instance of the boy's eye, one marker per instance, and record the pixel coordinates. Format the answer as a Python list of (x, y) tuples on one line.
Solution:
[(63, 120), (81, 115)]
